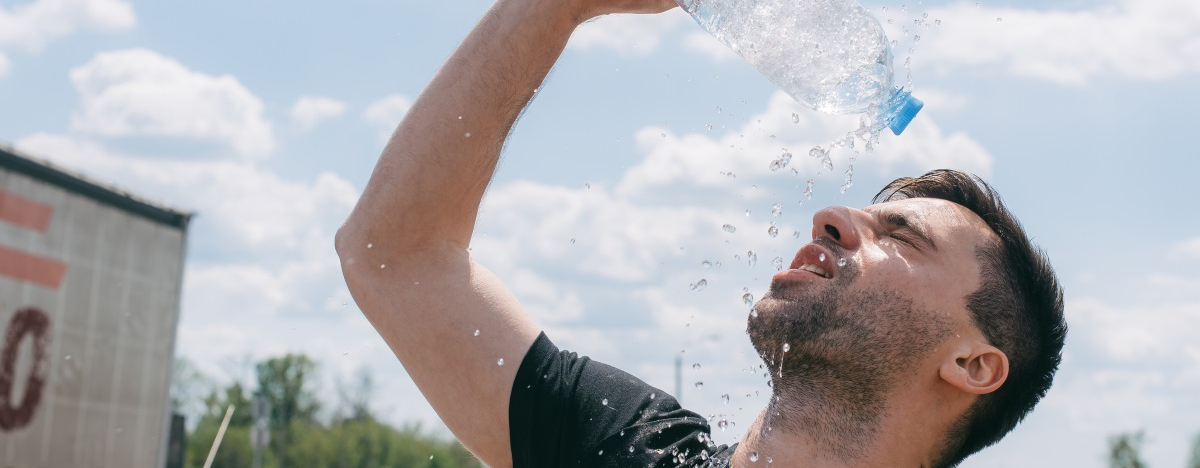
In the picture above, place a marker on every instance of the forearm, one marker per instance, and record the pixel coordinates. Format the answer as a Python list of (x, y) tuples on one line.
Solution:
[(428, 183)]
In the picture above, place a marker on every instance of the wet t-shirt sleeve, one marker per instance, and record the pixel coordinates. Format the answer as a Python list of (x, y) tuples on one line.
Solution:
[(570, 411)]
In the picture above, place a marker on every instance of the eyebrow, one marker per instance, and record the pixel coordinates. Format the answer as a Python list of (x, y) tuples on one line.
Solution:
[(903, 221)]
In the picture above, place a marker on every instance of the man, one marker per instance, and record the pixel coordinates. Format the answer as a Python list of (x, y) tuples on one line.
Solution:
[(910, 333)]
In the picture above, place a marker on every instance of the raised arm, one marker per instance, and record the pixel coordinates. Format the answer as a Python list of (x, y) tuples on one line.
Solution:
[(404, 247)]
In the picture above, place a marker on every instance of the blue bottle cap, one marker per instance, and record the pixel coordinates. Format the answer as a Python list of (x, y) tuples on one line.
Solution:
[(904, 111)]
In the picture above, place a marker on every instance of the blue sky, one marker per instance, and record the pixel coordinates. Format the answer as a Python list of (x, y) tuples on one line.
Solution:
[(266, 117)]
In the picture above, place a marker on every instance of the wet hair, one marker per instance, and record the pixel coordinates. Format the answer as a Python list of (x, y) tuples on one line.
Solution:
[(1018, 307)]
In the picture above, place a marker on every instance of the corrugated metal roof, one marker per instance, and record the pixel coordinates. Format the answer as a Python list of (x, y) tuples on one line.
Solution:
[(102, 192)]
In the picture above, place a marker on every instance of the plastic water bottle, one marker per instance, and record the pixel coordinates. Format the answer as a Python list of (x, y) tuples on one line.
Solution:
[(830, 55)]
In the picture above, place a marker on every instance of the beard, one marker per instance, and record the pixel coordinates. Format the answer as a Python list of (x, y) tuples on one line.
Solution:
[(835, 352)]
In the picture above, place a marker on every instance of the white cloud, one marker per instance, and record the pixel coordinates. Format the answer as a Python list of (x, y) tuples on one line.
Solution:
[(940, 100), (703, 161), (275, 283), (386, 113), (252, 207), (705, 44), (31, 25), (308, 111), (138, 92), (1187, 249), (1135, 39), (628, 34)]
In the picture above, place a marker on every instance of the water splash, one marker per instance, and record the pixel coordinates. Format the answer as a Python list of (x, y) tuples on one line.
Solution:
[(773, 231), (699, 285)]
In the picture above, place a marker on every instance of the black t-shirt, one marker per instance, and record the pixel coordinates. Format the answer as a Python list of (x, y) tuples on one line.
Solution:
[(568, 411)]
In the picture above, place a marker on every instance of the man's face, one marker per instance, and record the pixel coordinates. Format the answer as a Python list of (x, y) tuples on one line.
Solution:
[(887, 282)]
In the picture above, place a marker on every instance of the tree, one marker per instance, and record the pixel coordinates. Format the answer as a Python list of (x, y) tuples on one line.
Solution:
[(354, 399), (285, 382), (235, 450), (1124, 450), (188, 386), (1194, 460)]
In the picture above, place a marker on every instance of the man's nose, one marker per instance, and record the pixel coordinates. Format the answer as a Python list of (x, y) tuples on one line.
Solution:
[(837, 223)]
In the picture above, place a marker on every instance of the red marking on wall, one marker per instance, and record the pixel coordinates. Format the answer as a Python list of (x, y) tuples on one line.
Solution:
[(31, 268), (35, 323), (24, 212)]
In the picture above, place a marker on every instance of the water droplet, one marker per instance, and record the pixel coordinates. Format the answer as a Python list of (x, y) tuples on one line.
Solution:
[(699, 384), (382, 267), (937, 22), (751, 258), (601, 453), (999, 20), (604, 402), (773, 231), (795, 117), (916, 38), (787, 347), (67, 357), (818, 152), (776, 210), (722, 424), (842, 262), (778, 263), (748, 299), (747, 213), (775, 165), (696, 366), (770, 461), (652, 395), (754, 313), (754, 456), (725, 398), (821, 257), (706, 264), (476, 332), (587, 186), (370, 245), (718, 109), (664, 135), (500, 362), (729, 228), (699, 285), (770, 383), (808, 189), (630, 447), (827, 163), (467, 135)]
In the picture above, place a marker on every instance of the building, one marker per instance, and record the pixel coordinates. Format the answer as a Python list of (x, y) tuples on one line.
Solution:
[(90, 280)]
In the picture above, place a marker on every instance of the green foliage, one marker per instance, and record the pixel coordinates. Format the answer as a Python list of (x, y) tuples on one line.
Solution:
[(1194, 459), (1124, 450), (355, 438)]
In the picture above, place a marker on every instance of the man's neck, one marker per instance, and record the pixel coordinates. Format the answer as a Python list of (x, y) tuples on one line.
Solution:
[(785, 436)]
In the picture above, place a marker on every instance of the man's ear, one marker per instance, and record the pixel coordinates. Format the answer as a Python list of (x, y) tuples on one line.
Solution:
[(977, 368)]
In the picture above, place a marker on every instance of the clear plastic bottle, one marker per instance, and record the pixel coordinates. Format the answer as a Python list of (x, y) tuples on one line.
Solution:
[(830, 55)]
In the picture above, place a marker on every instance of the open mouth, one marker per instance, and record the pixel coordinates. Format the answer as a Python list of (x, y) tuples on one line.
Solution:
[(815, 259)]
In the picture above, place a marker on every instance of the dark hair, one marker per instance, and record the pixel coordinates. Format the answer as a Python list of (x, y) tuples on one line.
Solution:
[(1018, 307)]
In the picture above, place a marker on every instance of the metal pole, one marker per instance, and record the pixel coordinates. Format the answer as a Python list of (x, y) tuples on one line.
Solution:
[(220, 435)]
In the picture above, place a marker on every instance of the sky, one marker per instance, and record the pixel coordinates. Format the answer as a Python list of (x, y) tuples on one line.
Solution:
[(265, 118)]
